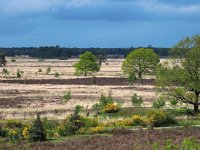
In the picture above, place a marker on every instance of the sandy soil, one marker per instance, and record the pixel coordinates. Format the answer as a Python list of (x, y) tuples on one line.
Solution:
[(21, 98)]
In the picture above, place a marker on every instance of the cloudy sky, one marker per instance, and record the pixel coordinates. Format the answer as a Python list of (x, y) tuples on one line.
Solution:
[(97, 23)]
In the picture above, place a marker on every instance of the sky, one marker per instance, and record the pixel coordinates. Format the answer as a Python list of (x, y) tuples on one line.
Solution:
[(97, 23)]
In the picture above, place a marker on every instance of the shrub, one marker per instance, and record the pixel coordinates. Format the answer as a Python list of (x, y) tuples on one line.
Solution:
[(39, 70), (67, 96), (14, 135), (136, 101), (37, 131), (106, 104), (48, 70), (98, 129), (173, 102), (5, 71), (56, 75), (13, 59), (19, 73), (137, 120), (124, 122), (159, 104), (159, 118), (3, 132), (72, 124), (111, 108), (25, 132), (89, 122), (14, 124)]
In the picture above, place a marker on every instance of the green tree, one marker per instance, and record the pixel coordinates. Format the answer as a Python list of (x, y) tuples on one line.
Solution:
[(37, 131), (179, 78), (2, 59), (87, 64), (140, 61)]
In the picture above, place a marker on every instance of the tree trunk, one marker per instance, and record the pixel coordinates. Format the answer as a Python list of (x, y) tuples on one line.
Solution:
[(139, 75), (196, 108), (85, 73), (196, 104)]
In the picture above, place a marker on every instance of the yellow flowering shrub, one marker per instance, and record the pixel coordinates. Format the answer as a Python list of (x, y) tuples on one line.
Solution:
[(111, 108), (137, 120), (98, 129), (25, 132), (125, 122)]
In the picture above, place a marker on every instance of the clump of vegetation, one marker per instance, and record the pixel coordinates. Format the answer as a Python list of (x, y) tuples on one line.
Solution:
[(156, 118), (39, 70), (19, 73), (56, 74), (67, 96), (107, 104), (5, 71), (13, 59), (48, 70), (136, 101), (72, 124), (158, 103), (37, 131)]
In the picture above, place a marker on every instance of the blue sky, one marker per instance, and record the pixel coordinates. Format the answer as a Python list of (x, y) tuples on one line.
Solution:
[(97, 23)]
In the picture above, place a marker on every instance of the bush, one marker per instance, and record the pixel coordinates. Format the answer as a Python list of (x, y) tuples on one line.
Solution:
[(159, 104), (3, 132), (67, 96), (124, 122), (48, 70), (14, 135), (13, 59), (111, 108), (89, 122), (39, 70), (106, 104), (159, 118), (173, 102), (56, 75), (5, 71), (136, 101), (19, 73), (137, 120), (72, 124), (37, 131), (98, 129)]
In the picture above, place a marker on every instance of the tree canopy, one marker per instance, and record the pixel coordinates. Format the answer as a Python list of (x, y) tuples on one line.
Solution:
[(86, 64), (140, 61), (179, 78)]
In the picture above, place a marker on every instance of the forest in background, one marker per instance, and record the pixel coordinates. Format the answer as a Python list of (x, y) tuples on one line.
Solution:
[(63, 53)]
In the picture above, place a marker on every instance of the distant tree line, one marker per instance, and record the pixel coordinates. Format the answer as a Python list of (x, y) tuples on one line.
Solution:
[(63, 53)]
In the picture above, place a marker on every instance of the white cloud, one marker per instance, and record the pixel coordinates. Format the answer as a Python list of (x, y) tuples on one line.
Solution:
[(160, 7), (24, 7)]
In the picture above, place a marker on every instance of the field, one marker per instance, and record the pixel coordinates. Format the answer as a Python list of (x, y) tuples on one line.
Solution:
[(38, 91)]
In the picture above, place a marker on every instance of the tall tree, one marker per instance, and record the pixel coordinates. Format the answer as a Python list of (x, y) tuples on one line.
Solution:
[(2, 59), (87, 64), (180, 77), (140, 61)]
